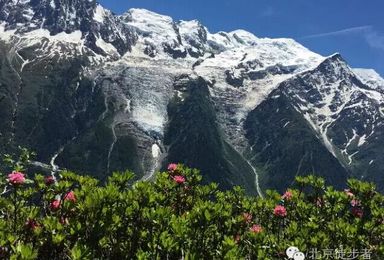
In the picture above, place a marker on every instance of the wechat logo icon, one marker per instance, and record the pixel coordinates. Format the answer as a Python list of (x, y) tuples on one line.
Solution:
[(294, 253)]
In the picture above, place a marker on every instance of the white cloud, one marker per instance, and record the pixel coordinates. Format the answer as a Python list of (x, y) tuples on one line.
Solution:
[(373, 38), (347, 31)]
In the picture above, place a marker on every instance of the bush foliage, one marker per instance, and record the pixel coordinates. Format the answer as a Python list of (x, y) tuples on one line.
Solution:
[(176, 217)]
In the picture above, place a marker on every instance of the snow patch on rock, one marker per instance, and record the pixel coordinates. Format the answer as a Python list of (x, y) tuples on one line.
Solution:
[(106, 47), (156, 151), (6, 35), (100, 13)]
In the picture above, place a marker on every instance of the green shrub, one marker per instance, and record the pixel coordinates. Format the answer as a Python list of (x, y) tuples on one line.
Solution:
[(175, 217)]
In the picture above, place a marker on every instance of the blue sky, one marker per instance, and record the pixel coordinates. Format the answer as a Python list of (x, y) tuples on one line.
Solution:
[(355, 28)]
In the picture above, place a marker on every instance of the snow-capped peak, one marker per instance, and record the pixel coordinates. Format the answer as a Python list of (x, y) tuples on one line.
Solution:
[(370, 77), (148, 22), (157, 33), (144, 14), (190, 25), (244, 36)]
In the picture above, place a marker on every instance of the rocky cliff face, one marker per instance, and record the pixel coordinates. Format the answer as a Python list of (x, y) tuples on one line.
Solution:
[(96, 92), (86, 19)]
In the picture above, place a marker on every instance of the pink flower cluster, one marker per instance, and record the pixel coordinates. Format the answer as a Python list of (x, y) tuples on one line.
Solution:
[(356, 210), (355, 203), (287, 195), (280, 211), (172, 167), (55, 205), (16, 178), (256, 229), (179, 179), (70, 196), (247, 218), (49, 180)]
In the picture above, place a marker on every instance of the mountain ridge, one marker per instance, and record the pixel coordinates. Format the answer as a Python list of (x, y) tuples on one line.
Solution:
[(119, 89)]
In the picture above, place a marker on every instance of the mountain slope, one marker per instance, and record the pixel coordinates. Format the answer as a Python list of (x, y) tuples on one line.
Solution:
[(96, 92)]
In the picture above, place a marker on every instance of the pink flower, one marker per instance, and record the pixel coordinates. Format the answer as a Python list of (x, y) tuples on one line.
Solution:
[(31, 224), (280, 211), (70, 196), (355, 203), (172, 167), (357, 212), (349, 193), (247, 218), (256, 229), (16, 178), (287, 195), (49, 180), (179, 179), (55, 205)]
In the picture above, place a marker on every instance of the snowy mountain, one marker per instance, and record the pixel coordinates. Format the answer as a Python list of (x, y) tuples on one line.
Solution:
[(96, 92), (370, 77)]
